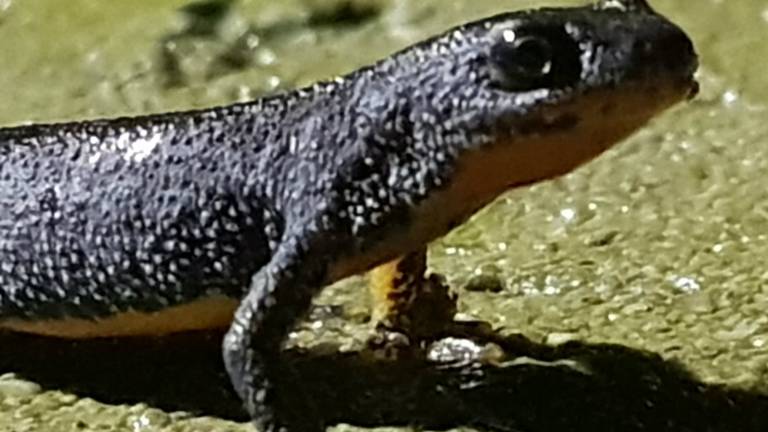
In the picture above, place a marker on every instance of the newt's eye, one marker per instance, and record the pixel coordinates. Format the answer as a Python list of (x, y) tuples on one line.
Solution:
[(533, 58)]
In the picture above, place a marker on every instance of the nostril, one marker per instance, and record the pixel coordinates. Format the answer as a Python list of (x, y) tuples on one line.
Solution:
[(642, 48), (644, 52)]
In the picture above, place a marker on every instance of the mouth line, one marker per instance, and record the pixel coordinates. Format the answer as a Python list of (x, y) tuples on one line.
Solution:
[(685, 87)]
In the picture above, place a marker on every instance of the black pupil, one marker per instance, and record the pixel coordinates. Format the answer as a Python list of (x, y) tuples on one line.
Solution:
[(534, 58)]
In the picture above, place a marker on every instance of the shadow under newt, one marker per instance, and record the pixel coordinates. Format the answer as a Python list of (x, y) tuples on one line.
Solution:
[(572, 387)]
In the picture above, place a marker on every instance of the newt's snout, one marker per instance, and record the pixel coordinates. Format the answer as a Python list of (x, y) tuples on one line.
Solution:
[(630, 48), (666, 50)]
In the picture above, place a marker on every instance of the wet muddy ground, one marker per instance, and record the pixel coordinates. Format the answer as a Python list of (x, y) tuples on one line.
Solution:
[(658, 246)]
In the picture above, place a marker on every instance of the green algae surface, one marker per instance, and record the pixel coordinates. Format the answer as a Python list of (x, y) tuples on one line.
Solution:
[(658, 245)]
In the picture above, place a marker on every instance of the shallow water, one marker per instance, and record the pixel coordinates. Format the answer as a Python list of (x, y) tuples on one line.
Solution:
[(660, 244)]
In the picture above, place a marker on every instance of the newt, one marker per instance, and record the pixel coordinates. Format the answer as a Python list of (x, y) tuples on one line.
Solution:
[(239, 215)]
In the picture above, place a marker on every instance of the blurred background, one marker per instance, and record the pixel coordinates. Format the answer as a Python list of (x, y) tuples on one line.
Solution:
[(659, 245)]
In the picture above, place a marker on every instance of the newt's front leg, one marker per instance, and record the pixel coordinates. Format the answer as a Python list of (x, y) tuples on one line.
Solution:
[(279, 294), (407, 300)]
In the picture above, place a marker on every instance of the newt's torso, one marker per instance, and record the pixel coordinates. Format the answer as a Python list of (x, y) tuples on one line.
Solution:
[(158, 223)]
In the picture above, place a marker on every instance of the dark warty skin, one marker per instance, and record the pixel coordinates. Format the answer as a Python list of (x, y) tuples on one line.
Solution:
[(264, 203)]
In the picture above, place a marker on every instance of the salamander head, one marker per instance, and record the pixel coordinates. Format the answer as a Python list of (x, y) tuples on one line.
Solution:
[(531, 95)]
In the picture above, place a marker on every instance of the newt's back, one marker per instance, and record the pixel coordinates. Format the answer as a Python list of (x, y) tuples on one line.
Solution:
[(101, 218)]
